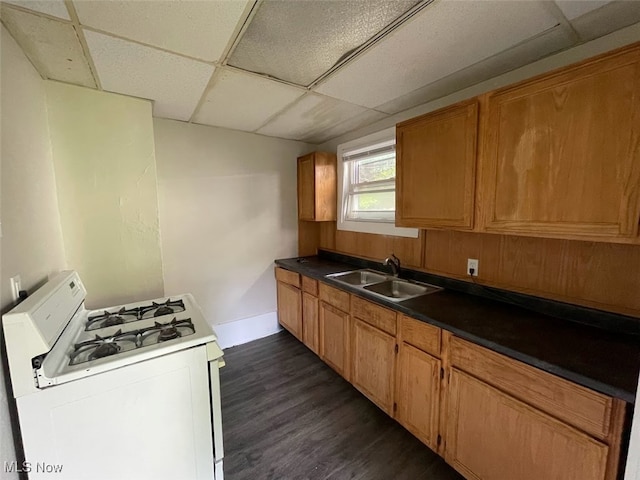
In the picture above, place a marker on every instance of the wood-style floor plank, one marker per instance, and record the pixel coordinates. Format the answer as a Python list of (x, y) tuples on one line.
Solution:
[(288, 416)]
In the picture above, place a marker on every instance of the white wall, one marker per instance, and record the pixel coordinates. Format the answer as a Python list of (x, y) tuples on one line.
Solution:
[(103, 152), (31, 242), (227, 210)]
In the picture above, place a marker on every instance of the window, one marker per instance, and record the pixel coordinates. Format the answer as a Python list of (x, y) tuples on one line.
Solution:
[(367, 185)]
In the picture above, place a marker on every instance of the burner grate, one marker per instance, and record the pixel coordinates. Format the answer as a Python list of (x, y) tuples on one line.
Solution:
[(122, 316)]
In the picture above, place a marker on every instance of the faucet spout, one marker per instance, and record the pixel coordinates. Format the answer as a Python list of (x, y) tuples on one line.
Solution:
[(393, 262)]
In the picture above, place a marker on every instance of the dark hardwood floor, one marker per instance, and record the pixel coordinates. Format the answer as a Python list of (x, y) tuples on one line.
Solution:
[(286, 415)]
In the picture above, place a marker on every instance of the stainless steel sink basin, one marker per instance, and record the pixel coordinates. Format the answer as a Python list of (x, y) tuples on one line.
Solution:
[(400, 290), (359, 277), (384, 286)]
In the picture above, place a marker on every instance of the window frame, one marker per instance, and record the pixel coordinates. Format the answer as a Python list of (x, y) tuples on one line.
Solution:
[(365, 226)]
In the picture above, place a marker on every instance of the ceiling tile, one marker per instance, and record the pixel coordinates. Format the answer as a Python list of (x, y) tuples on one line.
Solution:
[(52, 46), (611, 17), (576, 8), (298, 41), (310, 116), (243, 101), (175, 83), (551, 41), (55, 8), (445, 37), (361, 120), (200, 29)]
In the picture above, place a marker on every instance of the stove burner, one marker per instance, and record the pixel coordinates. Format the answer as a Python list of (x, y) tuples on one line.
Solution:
[(104, 350), (161, 332), (109, 319), (164, 310), (100, 347), (168, 333)]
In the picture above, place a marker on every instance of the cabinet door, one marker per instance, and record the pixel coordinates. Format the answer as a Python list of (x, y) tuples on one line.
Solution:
[(290, 308), (562, 156), (306, 188), (335, 339), (310, 321), (373, 364), (492, 436), (435, 168), (418, 393)]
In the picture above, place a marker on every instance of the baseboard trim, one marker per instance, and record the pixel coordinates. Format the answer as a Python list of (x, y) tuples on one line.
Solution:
[(247, 329)]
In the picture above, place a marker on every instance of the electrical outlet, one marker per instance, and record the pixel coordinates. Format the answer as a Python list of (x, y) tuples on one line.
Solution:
[(472, 263), (16, 286)]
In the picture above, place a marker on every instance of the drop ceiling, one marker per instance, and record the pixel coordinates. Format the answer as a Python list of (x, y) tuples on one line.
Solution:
[(307, 70)]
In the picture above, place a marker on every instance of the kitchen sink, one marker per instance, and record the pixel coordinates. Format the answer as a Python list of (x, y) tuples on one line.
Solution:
[(398, 290), (359, 277), (384, 286)]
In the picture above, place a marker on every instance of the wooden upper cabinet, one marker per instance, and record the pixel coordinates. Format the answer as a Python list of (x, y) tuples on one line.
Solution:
[(317, 187), (435, 168), (561, 152)]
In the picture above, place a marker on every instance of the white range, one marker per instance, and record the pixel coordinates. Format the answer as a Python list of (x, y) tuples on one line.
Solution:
[(126, 392)]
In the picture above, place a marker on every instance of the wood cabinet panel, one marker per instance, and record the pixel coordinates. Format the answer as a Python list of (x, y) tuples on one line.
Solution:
[(583, 408), (420, 334), (335, 339), (334, 296), (418, 393), (373, 367), (492, 436), (286, 276), (317, 187), (290, 308), (310, 327), (378, 247), (562, 152), (310, 285), (436, 164), (373, 314)]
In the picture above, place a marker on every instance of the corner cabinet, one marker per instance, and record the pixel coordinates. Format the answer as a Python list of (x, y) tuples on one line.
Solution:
[(317, 187), (561, 152), (436, 168)]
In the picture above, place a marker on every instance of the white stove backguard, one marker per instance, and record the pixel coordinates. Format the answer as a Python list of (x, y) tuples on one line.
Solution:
[(32, 328)]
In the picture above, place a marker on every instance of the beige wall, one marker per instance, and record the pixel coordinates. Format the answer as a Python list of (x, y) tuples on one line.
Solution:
[(103, 152), (227, 210), (31, 241)]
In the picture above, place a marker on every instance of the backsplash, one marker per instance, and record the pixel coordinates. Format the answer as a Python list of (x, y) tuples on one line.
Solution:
[(597, 275)]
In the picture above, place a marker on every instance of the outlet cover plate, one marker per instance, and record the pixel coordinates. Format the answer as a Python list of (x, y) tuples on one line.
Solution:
[(16, 286), (472, 263)]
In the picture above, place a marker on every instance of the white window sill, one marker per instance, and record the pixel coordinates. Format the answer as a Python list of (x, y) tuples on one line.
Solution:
[(377, 228)]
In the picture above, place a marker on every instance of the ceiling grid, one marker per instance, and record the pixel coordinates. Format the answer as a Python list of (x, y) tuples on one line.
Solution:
[(307, 70)]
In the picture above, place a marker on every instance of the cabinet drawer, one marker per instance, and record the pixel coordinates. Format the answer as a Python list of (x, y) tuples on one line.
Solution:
[(310, 285), (583, 408), (421, 335), (334, 297), (373, 314), (286, 276)]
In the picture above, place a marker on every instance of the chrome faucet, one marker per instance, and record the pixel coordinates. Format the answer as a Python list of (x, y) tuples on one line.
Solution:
[(393, 262)]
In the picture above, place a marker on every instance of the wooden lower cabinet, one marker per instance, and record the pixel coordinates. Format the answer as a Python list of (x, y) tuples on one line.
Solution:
[(290, 308), (310, 331), (335, 335), (418, 393), (492, 436), (373, 368)]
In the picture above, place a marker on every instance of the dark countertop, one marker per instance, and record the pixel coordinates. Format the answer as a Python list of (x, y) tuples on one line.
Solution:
[(602, 360)]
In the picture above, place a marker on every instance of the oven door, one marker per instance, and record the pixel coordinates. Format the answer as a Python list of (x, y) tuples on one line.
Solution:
[(148, 420)]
